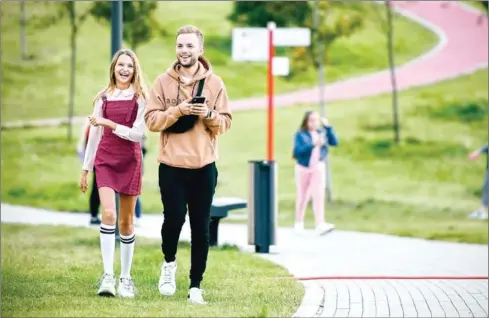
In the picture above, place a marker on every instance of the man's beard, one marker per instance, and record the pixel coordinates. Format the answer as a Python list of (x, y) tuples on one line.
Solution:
[(192, 62)]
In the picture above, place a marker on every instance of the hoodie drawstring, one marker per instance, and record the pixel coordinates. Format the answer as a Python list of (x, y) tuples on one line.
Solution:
[(178, 91)]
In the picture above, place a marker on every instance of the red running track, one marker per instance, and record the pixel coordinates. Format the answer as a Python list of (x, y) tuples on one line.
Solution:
[(463, 49), (386, 277)]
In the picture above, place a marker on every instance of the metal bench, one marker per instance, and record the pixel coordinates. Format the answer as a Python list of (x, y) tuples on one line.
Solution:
[(220, 209)]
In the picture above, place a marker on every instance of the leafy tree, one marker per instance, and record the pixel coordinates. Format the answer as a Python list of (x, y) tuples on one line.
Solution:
[(35, 19), (57, 11), (388, 27), (23, 40), (138, 16), (259, 13), (337, 19), (68, 10)]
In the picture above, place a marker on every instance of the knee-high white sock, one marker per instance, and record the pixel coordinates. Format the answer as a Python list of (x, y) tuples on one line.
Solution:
[(127, 252), (107, 246)]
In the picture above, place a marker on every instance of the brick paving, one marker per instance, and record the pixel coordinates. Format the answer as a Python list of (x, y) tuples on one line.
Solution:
[(398, 298)]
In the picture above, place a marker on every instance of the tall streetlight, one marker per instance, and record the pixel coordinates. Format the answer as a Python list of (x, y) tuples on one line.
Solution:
[(116, 44)]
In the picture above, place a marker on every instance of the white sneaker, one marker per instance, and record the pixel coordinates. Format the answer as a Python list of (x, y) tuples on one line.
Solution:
[(299, 227), (167, 284), (479, 215), (324, 228), (195, 296), (107, 286), (126, 288)]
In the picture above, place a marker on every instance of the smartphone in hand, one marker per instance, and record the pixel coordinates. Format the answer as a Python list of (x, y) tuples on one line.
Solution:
[(198, 100)]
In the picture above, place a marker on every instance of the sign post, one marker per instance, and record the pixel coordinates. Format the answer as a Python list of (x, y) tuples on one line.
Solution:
[(263, 180), (263, 41), (270, 123)]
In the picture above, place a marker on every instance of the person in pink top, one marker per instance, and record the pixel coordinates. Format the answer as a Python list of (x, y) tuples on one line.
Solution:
[(114, 150), (311, 145)]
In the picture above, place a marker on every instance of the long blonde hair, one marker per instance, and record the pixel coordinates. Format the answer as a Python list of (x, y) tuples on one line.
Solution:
[(137, 79)]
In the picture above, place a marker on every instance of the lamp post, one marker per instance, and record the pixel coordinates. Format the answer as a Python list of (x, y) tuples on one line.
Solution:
[(116, 44)]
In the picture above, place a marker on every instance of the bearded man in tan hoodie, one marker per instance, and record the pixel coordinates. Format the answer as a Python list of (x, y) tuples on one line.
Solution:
[(188, 152)]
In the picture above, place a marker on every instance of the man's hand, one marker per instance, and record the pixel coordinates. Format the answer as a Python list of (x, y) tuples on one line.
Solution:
[(200, 110), (185, 107)]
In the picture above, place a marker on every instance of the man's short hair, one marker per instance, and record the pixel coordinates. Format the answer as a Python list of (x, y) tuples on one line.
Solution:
[(190, 29)]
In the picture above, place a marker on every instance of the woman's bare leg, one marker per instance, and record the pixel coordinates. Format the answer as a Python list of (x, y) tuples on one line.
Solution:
[(126, 227), (107, 228)]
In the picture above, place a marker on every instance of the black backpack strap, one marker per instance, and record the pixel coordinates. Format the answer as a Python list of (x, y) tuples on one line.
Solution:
[(201, 87)]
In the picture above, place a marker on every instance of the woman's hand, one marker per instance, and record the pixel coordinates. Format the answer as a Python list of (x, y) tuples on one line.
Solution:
[(325, 122), (100, 121), (96, 121), (83, 181)]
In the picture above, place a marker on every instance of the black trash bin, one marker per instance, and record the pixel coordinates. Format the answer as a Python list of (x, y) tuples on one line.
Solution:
[(262, 205)]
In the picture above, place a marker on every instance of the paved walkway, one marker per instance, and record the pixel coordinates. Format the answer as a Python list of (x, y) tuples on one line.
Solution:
[(462, 48), (343, 253)]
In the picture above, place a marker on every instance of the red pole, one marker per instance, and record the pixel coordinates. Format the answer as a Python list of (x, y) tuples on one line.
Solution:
[(271, 53)]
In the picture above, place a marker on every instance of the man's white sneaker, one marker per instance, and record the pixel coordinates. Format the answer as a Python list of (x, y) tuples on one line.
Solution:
[(167, 284), (324, 228), (107, 286), (195, 296), (126, 288)]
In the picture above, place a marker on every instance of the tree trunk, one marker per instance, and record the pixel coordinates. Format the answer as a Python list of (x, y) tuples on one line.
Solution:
[(319, 64), (23, 44), (71, 102), (392, 67)]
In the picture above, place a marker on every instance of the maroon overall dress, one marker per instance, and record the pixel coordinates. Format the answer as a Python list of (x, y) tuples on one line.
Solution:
[(118, 161)]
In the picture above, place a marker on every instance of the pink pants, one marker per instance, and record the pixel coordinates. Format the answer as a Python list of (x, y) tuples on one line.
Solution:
[(310, 182)]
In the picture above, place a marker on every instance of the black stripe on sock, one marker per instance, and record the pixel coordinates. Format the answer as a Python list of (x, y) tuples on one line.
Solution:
[(107, 231), (128, 240)]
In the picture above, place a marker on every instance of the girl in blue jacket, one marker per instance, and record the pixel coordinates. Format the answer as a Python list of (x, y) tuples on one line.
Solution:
[(311, 145)]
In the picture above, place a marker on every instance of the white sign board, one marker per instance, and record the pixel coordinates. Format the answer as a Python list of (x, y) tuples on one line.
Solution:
[(292, 37), (280, 66), (251, 44)]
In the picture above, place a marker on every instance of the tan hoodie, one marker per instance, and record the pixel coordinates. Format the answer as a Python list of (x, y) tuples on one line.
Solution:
[(198, 146)]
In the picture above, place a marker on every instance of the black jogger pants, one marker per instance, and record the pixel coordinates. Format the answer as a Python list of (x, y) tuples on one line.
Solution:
[(193, 188)]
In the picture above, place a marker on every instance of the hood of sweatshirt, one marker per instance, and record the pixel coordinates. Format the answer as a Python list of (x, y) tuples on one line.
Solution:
[(204, 70)]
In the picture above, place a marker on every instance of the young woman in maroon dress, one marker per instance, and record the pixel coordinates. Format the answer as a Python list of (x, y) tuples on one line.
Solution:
[(114, 149)]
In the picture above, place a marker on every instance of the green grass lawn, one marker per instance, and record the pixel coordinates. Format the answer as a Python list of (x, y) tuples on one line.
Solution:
[(38, 88), (53, 271), (424, 187)]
